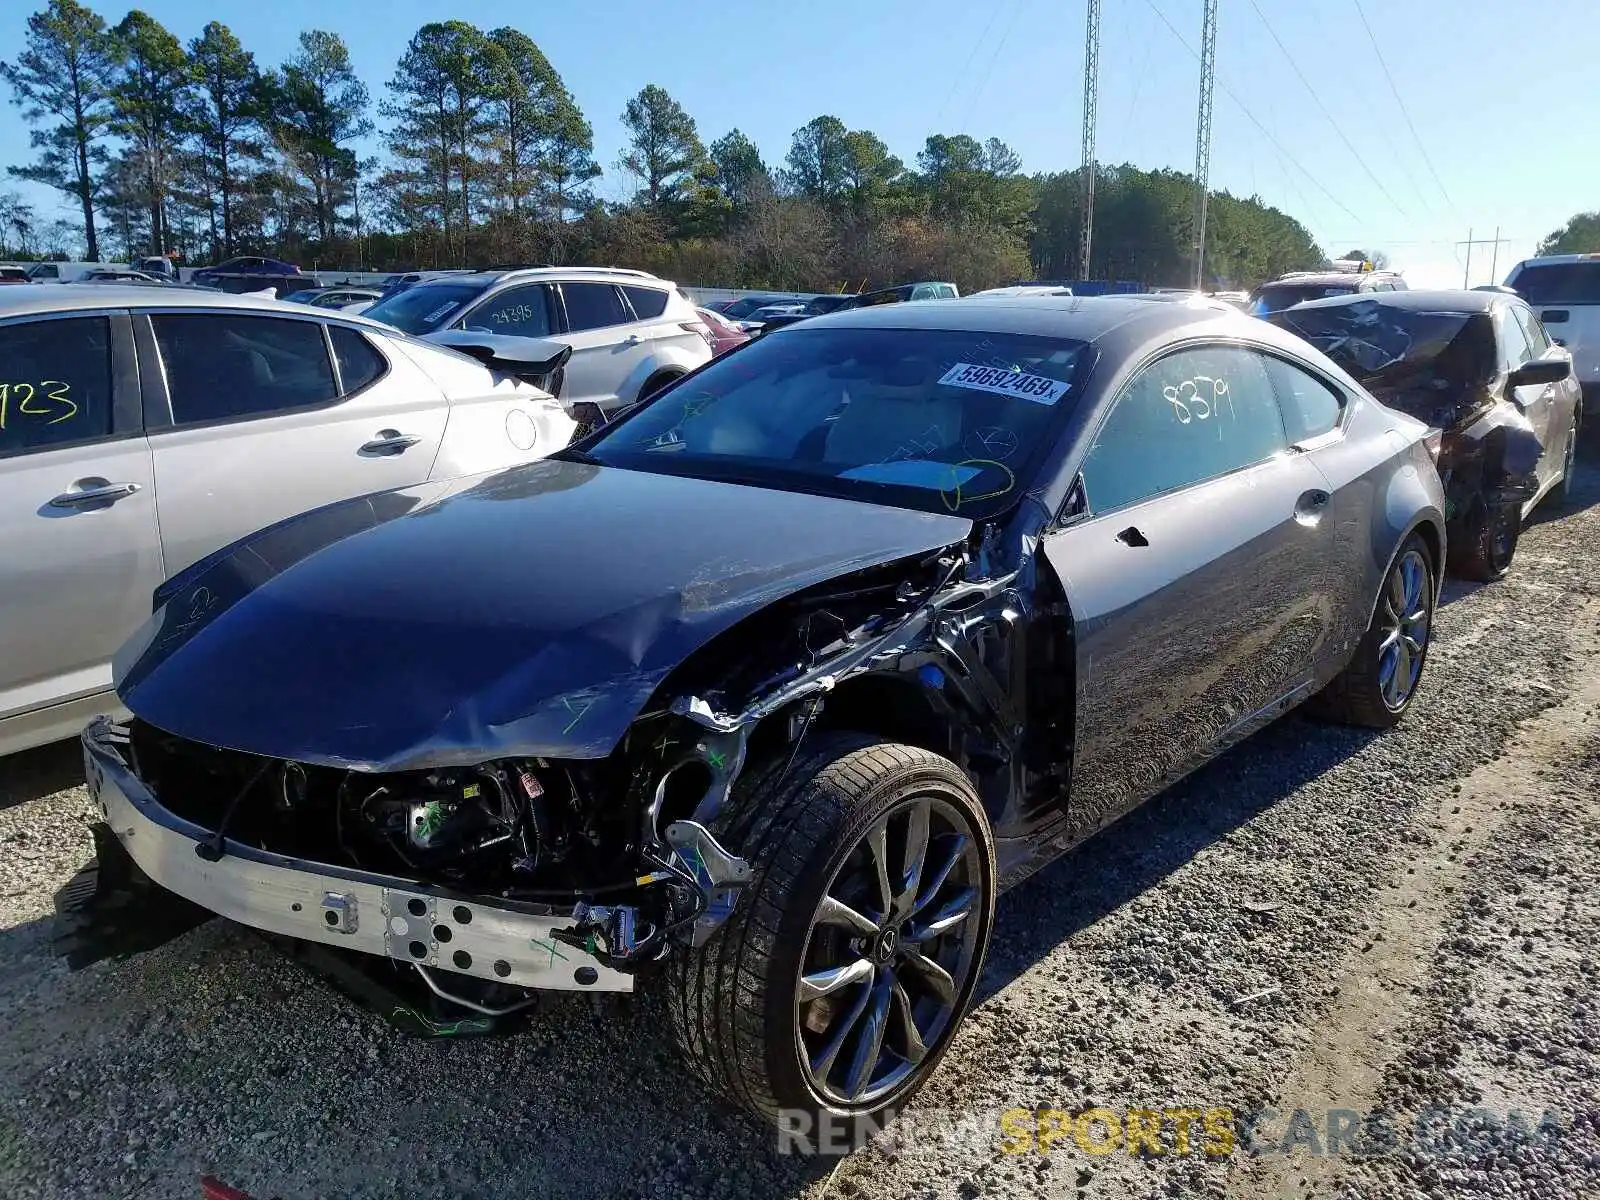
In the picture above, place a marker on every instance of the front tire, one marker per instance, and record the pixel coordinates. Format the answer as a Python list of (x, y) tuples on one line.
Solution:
[(1379, 684), (1488, 542), (842, 976), (1561, 494)]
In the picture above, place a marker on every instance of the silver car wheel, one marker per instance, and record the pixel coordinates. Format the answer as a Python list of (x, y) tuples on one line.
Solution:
[(888, 952), (1406, 621)]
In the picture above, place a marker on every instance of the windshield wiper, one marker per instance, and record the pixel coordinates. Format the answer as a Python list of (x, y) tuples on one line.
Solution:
[(573, 454)]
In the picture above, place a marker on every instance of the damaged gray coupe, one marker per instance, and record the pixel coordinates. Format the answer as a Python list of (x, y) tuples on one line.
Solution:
[(1479, 368), (762, 694)]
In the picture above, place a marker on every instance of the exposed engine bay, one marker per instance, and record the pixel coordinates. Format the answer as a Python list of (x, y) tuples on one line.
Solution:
[(628, 844)]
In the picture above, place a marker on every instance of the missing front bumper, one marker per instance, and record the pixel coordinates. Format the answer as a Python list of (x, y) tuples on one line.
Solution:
[(316, 902)]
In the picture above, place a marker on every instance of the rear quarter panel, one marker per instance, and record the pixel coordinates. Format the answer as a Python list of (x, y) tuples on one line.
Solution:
[(490, 417)]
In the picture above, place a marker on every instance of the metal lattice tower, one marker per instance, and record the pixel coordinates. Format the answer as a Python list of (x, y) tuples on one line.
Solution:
[(1202, 139), (1091, 94)]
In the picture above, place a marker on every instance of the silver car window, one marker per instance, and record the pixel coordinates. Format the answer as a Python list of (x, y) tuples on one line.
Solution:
[(1310, 407), (55, 384), (227, 366), (1186, 418), (519, 311), (359, 362), (593, 306)]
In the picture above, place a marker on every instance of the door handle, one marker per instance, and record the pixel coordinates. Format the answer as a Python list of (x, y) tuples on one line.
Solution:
[(1132, 537), (390, 441), (633, 339), (1311, 503), (104, 493)]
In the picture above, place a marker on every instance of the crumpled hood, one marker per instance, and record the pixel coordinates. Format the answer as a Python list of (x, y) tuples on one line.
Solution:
[(529, 613)]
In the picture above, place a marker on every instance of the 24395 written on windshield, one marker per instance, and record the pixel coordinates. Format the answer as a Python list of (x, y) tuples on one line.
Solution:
[(46, 402)]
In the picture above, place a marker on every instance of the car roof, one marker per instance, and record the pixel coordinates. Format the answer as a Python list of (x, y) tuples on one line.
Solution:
[(1435, 300), (582, 274), (73, 297), (1553, 260), (1324, 278), (1085, 318)]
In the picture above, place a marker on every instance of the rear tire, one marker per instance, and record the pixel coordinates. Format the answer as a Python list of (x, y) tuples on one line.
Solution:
[(1488, 542), (655, 383), (1377, 687), (811, 1000)]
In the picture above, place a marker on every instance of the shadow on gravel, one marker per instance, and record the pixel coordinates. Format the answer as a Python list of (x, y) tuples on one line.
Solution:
[(1153, 841), (40, 772)]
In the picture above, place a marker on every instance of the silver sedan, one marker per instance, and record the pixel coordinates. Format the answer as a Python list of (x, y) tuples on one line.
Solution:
[(142, 429)]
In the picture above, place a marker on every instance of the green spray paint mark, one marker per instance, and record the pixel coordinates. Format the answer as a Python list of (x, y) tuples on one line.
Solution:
[(590, 944), (467, 1025), (432, 818), (551, 947), (577, 713), (716, 759)]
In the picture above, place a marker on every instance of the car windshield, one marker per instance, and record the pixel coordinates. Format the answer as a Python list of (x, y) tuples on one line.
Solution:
[(1275, 297), (826, 304), (936, 419), (1560, 283), (424, 307), (1416, 360), (305, 297)]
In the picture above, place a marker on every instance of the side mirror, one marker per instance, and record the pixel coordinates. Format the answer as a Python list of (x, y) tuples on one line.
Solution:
[(1540, 372)]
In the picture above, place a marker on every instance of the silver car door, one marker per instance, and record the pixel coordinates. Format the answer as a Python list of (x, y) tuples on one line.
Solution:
[(78, 510), (1187, 576), (607, 344), (256, 425), (1533, 399)]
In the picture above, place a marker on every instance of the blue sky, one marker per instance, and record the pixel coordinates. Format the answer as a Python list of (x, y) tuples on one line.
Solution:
[(1506, 153)]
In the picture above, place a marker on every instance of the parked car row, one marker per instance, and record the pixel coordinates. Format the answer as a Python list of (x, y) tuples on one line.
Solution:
[(143, 428), (537, 630)]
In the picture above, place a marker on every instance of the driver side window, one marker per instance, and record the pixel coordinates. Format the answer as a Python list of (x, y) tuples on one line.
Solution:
[(1186, 418), (521, 312)]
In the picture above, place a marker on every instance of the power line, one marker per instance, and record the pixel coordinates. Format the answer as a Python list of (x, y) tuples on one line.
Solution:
[(1349, 145), (972, 52), (987, 70), (1404, 112), (1283, 154)]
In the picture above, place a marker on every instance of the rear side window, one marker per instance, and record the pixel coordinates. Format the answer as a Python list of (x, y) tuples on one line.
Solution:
[(593, 306), (55, 384), (359, 361), (1559, 283), (647, 302), (1186, 418), (1310, 407), (225, 367)]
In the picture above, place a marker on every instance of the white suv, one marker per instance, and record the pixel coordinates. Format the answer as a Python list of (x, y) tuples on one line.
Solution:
[(630, 332), (1564, 289)]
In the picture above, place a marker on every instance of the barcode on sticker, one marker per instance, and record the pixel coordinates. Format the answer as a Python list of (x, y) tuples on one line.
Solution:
[(1005, 383)]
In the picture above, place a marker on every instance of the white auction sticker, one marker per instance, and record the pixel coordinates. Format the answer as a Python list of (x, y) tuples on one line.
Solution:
[(1006, 383)]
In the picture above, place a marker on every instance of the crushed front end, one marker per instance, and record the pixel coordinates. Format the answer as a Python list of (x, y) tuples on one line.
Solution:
[(489, 883)]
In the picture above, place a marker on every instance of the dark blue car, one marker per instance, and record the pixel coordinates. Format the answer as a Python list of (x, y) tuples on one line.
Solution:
[(764, 692), (251, 272)]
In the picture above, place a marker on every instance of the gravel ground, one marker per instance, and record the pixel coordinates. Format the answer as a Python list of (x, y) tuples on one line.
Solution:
[(1323, 919)]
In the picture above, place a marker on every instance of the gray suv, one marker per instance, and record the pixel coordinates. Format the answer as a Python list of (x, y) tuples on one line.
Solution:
[(630, 332)]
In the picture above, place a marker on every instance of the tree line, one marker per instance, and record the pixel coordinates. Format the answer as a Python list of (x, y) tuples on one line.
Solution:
[(199, 150)]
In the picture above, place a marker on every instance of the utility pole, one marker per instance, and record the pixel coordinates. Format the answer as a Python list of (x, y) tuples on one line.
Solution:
[(1091, 94), (1494, 262), (1202, 139)]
